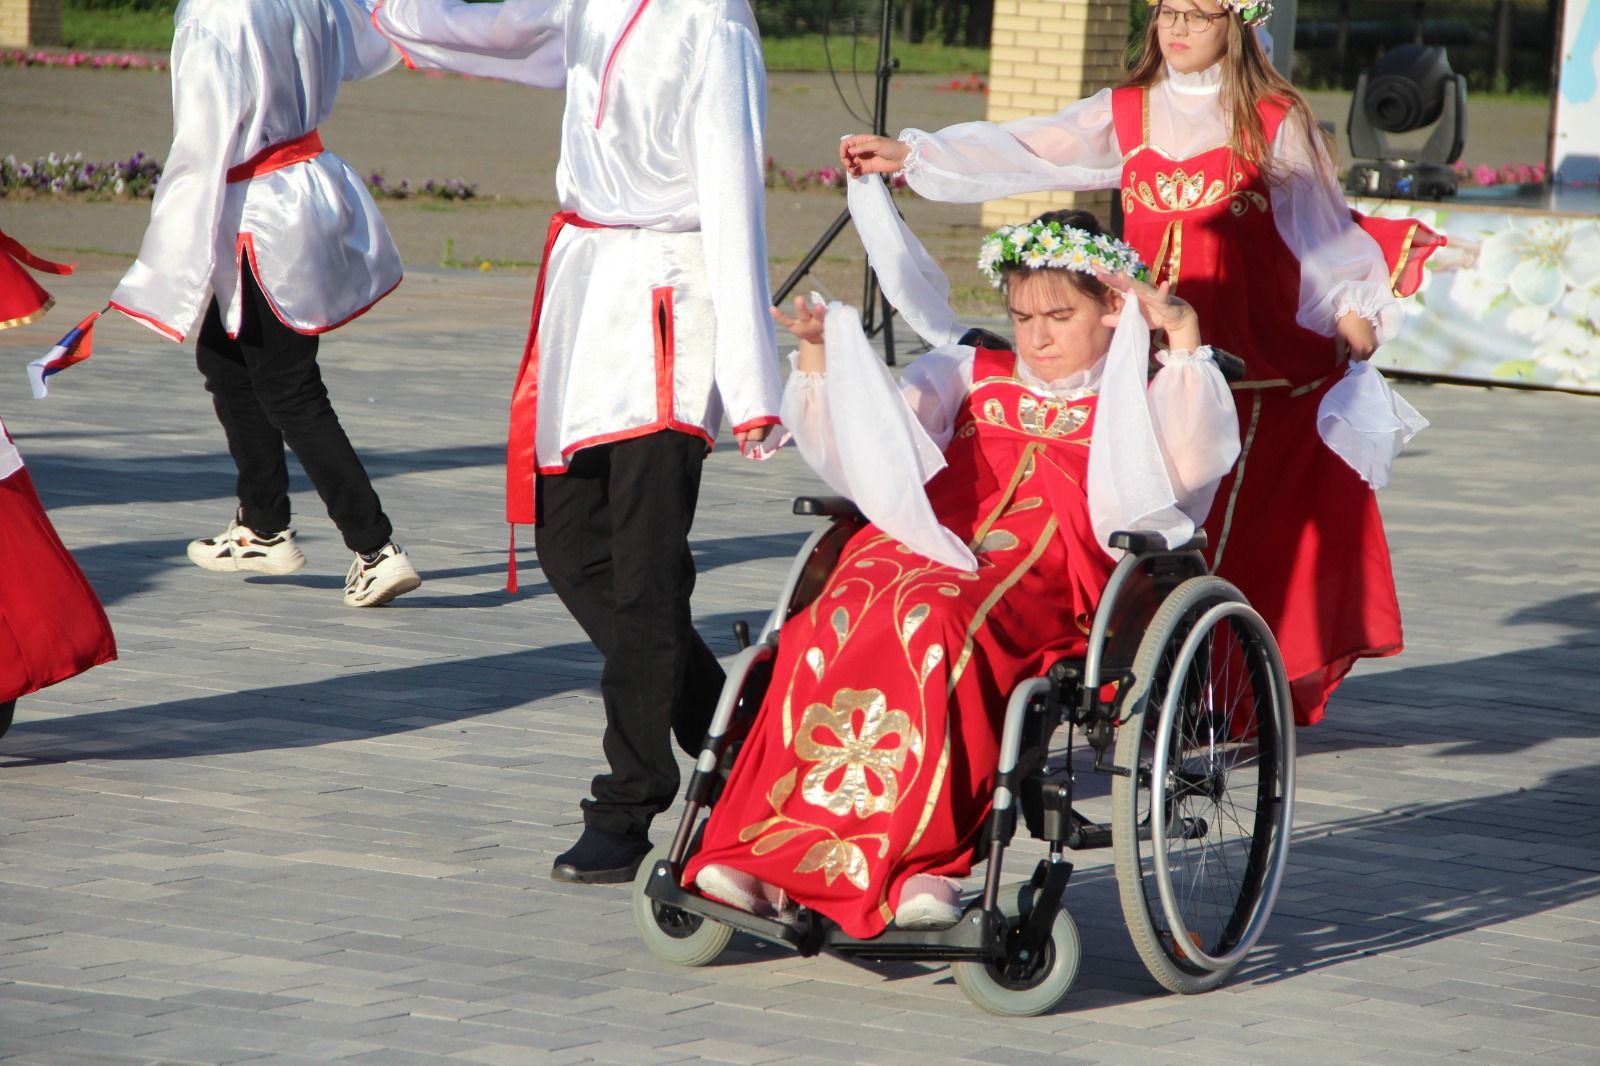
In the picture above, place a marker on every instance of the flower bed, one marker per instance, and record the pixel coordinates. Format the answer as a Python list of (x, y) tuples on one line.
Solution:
[(87, 60), (135, 178), (1482, 174), (829, 177)]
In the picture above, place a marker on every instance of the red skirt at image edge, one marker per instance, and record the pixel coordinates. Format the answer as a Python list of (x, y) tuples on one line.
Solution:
[(52, 626)]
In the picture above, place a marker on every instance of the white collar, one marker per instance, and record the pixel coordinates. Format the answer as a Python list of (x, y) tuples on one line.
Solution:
[(1074, 386), (1201, 83)]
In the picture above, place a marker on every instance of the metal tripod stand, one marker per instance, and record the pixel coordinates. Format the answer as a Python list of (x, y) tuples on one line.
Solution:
[(876, 313)]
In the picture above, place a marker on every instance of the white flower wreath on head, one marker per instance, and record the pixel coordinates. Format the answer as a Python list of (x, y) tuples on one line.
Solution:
[(1250, 12), (1040, 245)]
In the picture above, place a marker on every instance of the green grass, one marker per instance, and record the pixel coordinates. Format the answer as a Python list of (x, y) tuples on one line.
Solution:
[(806, 53), (151, 31), (116, 31)]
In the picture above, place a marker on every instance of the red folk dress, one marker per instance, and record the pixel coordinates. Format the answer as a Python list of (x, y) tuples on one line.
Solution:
[(1293, 526), (51, 623), (873, 757)]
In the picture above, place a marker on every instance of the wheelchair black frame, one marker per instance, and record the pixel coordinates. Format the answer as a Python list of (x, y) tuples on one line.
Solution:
[(1069, 694)]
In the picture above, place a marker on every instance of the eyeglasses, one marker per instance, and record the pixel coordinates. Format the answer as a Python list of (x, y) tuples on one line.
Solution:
[(1193, 21)]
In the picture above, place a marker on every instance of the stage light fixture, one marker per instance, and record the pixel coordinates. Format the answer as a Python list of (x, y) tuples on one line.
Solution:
[(1408, 88)]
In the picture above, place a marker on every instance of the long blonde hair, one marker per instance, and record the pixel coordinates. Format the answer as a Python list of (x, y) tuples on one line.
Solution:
[(1248, 78)]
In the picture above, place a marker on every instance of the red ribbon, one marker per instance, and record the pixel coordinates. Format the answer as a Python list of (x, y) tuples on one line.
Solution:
[(13, 247), (277, 156)]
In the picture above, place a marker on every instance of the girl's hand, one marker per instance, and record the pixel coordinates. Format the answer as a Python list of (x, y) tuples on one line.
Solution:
[(806, 325), (1354, 337), (1161, 309), (864, 153)]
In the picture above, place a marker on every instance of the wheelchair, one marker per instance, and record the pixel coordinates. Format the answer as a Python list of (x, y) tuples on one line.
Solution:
[(1182, 699)]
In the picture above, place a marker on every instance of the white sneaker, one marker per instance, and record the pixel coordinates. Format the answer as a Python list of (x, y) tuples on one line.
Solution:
[(240, 548), (928, 902), (376, 583)]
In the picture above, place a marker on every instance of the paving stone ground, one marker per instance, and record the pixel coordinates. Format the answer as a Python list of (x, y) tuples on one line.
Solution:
[(277, 830)]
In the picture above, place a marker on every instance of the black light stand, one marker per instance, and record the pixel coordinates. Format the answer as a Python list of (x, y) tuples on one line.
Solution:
[(873, 302)]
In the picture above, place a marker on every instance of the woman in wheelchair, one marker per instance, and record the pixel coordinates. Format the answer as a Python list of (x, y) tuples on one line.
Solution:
[(862, 786)]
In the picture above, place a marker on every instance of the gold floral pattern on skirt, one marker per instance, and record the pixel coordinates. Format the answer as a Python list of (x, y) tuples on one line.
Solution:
[(855, 756)]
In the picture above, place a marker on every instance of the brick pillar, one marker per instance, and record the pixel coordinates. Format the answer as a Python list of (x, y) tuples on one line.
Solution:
[(1044, 55), (29, 22)]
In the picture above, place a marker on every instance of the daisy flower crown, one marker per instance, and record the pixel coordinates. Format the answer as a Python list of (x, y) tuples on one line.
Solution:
[(1250, 12), (1041, 245)]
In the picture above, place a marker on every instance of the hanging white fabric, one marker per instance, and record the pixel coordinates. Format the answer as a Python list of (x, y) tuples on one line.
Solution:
[(1367, 423)]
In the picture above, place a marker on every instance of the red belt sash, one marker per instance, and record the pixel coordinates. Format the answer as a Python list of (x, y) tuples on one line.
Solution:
[(277, 156), (522, 460)]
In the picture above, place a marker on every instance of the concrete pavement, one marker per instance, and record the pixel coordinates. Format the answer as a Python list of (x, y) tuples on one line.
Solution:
[(282, 831)]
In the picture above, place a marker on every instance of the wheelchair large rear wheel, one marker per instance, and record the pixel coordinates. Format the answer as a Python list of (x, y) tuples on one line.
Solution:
[(1201, 822), (1021, 988), (672, 934)]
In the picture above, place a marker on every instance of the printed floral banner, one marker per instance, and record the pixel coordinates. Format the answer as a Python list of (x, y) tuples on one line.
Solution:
[(1514, 297)]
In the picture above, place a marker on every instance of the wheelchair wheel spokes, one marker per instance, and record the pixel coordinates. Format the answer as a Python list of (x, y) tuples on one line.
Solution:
[(1202, 824)]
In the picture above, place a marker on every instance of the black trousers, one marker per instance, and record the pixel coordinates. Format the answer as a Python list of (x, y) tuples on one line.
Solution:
[(268, 393), (613, 541)]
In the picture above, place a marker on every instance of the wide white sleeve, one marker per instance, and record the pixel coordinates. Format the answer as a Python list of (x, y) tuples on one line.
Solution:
[(725, 118), (1341, 268), (515, 40), (866, 439), (365, 52), (1196, 424), (1075, 149), (169, 286)]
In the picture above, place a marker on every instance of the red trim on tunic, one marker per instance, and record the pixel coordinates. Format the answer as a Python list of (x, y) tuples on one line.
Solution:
[(273, 157), (605, 75), (405, 57), (757, 423), (247, 247), (645, 430), (149, 320)]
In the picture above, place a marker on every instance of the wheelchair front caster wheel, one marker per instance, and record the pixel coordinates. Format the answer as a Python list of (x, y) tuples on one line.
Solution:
[(674, 935), (1020, 988)]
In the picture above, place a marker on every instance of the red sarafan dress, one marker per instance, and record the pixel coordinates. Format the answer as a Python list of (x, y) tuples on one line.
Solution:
[(51, 623), (873, 757), (1294, 527)]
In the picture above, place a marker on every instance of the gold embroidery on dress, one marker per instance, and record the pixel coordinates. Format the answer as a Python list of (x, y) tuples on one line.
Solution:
[(1178, 190), (914, 618), (833, 856), (877, 750), (994, 411), (815, 661), (1063, 418), (841, 623), (999, 540)]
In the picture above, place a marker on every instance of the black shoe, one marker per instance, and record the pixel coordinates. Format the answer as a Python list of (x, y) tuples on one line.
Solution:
[(601, 857)]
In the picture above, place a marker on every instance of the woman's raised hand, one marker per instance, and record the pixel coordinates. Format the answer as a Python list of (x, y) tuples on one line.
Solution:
[(865, 153), (1161, 309), (806, 325)]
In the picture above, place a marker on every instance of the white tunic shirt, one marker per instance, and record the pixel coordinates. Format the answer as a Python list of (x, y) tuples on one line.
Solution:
[(1341, 267), (248, 75), (661, 321)]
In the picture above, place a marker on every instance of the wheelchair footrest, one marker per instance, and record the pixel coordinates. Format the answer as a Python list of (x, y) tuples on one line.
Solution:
[(979, 934)]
